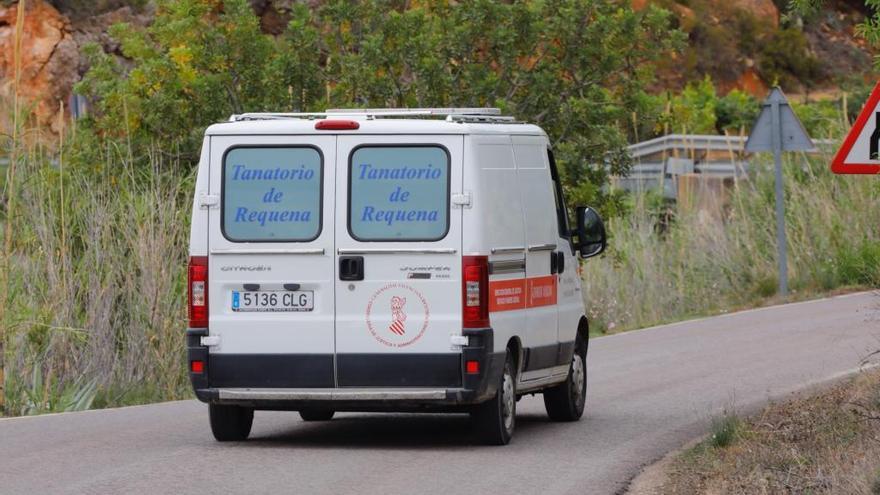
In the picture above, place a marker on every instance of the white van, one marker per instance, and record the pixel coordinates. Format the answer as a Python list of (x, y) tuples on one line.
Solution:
[(385, 260)]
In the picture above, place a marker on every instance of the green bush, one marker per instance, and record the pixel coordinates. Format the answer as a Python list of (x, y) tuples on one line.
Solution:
[(725, 430), (859, 264), (858, 90), (736, 112), (699, 110), (694, 108), (821, 119), (785, 60)]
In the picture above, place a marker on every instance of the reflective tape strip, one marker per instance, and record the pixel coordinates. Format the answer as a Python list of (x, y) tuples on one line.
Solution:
[(522, 293)]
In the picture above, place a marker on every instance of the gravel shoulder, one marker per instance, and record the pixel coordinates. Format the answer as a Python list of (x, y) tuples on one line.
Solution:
[(825, 441)]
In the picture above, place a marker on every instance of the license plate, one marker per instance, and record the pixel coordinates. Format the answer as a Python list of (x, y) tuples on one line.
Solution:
[(273, 300)]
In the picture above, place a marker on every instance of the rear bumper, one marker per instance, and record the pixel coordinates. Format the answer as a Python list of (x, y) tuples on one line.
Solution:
[(414, 399), (354, 382)]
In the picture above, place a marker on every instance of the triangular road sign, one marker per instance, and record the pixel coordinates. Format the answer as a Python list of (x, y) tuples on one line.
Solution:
[(792, 134), (860, 151)]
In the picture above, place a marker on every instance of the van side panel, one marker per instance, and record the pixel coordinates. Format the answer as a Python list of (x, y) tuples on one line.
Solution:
[(496, 223), (570, 300), (198, 229), (536, 191)]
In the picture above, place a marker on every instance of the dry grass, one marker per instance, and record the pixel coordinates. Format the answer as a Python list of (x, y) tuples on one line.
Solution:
[(96, 303), (824, 444)]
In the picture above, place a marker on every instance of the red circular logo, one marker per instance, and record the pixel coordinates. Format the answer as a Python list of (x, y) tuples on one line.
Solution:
[(397, 315)]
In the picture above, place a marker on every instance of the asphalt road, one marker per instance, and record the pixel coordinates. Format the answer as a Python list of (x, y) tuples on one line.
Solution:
[(650, 391)]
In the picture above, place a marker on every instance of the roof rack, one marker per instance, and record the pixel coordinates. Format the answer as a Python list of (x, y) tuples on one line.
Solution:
[(475, 115), (452, 114), (382, 112), (275, 116)]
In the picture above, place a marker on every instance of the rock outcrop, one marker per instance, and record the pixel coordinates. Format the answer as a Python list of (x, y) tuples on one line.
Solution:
[(49, 57)]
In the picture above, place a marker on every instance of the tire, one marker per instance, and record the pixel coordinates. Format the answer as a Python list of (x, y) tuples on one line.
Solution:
[(566, 401), (495, 419), (316, 414), (230, 423)]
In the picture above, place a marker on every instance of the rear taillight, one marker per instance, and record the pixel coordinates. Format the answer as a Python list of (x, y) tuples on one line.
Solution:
[(197, 290), (475, 291)]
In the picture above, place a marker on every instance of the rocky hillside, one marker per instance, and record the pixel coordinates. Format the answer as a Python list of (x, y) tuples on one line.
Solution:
[(739, 43), (750, 45), (51, 58)]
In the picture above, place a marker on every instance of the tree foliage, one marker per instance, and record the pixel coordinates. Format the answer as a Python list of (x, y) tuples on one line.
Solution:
[(575, 67)]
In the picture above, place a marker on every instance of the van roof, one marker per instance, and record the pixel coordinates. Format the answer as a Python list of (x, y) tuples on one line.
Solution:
[(379, 121)]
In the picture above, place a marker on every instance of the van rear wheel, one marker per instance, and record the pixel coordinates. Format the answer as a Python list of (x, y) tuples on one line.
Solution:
[(495, 419), (230, 423), (316, 414), (566, 401)]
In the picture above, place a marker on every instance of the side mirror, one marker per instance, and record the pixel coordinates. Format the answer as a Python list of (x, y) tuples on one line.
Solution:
[(590, 232)]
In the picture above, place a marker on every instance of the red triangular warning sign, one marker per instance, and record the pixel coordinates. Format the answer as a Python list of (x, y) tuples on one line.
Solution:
[(860, 151)]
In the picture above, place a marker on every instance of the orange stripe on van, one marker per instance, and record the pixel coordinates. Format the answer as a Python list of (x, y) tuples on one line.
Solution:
[(541, 291), (507, 295)]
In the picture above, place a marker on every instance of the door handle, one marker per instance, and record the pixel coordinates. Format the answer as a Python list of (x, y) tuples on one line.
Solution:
[(351, 268), (557, 262)]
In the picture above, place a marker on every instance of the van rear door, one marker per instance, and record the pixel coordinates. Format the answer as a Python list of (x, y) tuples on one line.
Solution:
[(271, 261), (398, 239)]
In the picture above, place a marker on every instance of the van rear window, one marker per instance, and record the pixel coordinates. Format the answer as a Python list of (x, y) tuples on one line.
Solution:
[(399, 193), (272, 194)]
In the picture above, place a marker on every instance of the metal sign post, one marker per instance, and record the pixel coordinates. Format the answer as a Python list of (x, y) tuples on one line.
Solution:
[(778, 129), (781, 241)]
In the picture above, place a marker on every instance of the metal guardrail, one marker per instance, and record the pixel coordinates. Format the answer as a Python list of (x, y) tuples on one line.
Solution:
[(672, 142), (698, 142), (660, 161)]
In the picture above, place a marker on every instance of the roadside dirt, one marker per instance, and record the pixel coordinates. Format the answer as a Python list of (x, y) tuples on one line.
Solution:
[(823, 440)]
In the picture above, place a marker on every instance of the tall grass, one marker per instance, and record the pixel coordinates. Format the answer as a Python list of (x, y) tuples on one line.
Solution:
[(96, 305), (9, 198), (701, 263)]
